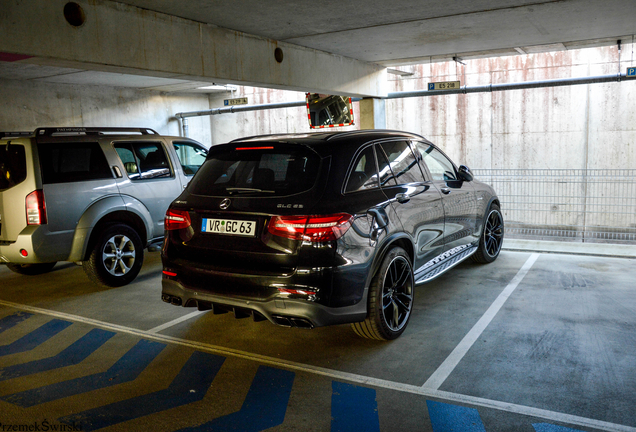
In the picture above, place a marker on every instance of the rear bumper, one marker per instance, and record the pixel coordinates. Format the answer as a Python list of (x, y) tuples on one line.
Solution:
[(35, 243), (278, 309)]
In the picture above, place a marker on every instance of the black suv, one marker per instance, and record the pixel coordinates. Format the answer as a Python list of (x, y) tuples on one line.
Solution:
[(325, 228)]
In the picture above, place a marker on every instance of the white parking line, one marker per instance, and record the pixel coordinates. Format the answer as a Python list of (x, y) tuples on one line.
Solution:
[(175, 321), (345, 376), (446, 368)]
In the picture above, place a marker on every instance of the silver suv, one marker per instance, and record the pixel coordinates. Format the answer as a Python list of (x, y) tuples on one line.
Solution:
[(95, 196)]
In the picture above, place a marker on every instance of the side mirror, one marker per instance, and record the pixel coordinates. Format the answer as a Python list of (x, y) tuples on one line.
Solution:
[(328, 111), (464, 173)]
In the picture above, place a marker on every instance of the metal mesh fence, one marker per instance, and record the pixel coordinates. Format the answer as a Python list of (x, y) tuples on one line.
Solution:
[(575, 205)]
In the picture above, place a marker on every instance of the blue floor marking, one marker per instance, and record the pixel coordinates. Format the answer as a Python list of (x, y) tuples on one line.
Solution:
[(353, 408), (446, 418), (264, 407), (9, 321), (35, 338), (190, 385), (125, 369), (72, 355), (545, 427)]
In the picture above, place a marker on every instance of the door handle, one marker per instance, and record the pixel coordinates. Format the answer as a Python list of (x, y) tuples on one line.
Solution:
[(445, 191), (402, 198)]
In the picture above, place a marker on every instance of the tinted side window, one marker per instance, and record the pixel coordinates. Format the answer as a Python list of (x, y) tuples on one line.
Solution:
[(143, 160), (190, 156), (71, 162), (402, 161), (384, 168), (12, 165), (440, 166), (364, 174)]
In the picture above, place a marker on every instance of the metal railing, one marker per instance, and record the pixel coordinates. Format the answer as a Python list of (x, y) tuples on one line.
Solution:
[(575, 205)]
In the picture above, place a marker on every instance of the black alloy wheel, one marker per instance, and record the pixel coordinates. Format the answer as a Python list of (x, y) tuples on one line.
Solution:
[(492, 237), (390, 298)]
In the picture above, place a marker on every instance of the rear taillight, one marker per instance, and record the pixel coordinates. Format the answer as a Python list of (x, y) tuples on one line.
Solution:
[(311, 228), (177, 219), (36, 208)]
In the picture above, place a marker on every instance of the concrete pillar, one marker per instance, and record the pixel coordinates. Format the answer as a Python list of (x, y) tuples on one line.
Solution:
[(372, 113)]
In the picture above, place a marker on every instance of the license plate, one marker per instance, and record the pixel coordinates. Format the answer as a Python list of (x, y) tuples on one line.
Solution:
[(229, 227)]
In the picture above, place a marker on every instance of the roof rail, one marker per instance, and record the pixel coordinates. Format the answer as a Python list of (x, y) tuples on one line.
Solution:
[(15, 134), (323, 134), (93, 131), (340, 134)]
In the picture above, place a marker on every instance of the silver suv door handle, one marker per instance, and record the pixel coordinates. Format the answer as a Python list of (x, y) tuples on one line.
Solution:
[(445, 191)]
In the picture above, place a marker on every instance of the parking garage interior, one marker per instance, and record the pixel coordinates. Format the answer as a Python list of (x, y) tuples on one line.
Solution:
[(540, 340)]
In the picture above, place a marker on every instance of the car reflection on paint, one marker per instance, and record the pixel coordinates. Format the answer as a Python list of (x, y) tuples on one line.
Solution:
[(317, 229)]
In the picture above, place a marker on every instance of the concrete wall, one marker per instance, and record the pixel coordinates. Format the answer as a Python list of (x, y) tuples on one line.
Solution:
[(26, 105), (226, 127), (575, 127), (586, 126)]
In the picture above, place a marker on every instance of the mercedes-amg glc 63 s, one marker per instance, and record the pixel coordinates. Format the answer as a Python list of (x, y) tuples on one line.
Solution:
[(316, 229)]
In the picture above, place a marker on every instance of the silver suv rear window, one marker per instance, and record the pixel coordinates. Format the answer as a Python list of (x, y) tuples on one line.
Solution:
[(13, 168), (71, 162), (263, 170)]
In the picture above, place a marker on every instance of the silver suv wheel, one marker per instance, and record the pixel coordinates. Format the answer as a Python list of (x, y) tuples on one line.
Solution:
[(118, 255)]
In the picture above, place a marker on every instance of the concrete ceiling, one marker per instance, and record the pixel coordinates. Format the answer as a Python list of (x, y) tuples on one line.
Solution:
[(390, 34), (414, 31)]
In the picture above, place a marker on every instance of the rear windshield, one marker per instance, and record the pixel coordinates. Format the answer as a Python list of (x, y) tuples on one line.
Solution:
[(71, 162), (12, 166), (275, 170)]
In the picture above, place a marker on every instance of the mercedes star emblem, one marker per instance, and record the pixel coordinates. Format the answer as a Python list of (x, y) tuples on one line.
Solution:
[(225, 204)]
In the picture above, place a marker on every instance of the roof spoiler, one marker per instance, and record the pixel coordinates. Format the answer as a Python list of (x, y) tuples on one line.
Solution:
[(93, 131)]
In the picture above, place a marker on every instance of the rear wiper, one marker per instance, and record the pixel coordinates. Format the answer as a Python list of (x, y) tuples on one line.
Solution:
[(247, 190)]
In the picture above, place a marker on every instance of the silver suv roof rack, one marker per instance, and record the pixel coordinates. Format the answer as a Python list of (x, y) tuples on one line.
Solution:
[(93, 131), (15, 134)]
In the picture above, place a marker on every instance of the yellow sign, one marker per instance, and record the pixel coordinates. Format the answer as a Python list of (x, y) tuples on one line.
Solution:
[(448, 85), (237, 101)]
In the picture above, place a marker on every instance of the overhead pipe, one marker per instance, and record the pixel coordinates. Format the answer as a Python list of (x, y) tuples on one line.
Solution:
[(417, 93), (183, 116), (240, 108), (514, 86)]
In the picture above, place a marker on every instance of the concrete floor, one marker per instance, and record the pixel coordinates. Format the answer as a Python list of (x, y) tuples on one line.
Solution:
[(535, 341)]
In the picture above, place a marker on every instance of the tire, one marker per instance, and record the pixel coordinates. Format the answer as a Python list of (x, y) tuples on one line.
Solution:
[(491, 237), (31, 269), (116, 257), (390, 298)]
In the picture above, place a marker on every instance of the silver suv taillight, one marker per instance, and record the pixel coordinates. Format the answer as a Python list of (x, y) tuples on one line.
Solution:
[(36, 208)]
